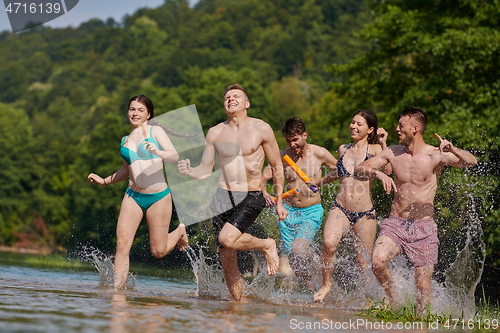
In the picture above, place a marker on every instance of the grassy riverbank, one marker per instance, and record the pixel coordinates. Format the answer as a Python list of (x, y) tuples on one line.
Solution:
[(62, 262)]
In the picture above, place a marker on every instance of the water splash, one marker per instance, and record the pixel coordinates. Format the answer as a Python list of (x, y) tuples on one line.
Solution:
[(104, 265), (464, 274), (209, 278), (452, 294), (211, 284)]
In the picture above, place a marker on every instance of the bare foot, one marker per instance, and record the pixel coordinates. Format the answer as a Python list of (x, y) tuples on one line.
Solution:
[(284, 268), (272, 258), (183, 241), (241, 299), (322, 293)]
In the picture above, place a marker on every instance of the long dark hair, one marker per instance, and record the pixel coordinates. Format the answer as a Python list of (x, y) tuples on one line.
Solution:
[(371, 121), (151, 111)]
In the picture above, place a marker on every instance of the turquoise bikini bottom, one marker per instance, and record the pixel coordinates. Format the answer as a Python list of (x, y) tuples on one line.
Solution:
[(145, 200)]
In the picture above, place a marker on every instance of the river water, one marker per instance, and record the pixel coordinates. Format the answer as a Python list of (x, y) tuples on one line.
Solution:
[(34, 299)]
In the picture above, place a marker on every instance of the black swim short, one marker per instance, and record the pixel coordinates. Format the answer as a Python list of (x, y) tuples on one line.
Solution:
[(239, 209)]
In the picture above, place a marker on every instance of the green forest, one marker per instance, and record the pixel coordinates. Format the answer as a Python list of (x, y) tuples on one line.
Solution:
[(64, 93)]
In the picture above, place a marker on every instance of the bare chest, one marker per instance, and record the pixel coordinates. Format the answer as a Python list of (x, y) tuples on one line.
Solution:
[(310, 166), (234, 142), (418, 169)]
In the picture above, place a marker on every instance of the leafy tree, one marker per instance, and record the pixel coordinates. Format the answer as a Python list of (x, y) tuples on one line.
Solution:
[(440, 55), (18, 171)]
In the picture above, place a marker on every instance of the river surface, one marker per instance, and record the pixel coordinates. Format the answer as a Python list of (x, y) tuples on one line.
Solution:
[(34, 299)]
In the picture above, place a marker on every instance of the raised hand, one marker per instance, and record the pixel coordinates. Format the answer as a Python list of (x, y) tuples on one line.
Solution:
[(382, 136), (445, 146)]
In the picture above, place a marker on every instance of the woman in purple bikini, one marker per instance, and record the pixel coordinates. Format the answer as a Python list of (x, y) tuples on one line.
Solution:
[(144, 150), (353, 205)]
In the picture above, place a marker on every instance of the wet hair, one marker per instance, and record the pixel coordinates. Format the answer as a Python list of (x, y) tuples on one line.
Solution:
[(237, 87), (371, 121), (293, 126), (151, 111), (147, 103), (417, 113)]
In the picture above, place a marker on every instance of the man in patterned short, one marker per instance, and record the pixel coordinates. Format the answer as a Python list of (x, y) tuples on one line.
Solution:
[(410, 229)]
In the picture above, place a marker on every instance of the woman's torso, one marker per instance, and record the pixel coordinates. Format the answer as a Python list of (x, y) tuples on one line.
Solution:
[(146, 173), (354, 194)]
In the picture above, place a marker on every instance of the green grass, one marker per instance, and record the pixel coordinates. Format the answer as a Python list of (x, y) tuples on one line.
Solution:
[(486, 318), (487, 313), (61, 262), (406, 312), (55, 261)]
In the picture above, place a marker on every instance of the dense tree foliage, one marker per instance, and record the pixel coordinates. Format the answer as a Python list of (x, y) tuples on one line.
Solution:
[(443, 56), (63, 94)]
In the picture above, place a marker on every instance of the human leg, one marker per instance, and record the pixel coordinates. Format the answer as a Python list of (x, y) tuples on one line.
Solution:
[(230, 225), (287, 233), (300, 260), (232, 273), (128, 221), (423, 277), (307, 224), (335, 226), (383, 251), (364, 230), (162, 242), (232, 238)]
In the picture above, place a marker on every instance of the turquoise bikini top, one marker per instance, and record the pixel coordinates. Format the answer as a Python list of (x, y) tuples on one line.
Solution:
[(130, 156)]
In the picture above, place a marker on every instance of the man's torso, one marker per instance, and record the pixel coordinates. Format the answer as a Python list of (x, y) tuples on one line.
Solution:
[(310, 162), (416, 178), (241, 155)]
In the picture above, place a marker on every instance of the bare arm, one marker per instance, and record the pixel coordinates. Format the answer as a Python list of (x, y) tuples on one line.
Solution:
[(453, 156), (369, 169), (272, 152), (267, 174), (331, 162), (333, 174), (116, 177), (382, 138), (204, 170)]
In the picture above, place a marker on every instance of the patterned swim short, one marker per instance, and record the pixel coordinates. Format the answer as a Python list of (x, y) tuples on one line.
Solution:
[(415, 238)]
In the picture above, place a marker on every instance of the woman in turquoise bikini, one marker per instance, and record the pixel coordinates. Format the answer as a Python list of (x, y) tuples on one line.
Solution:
[(143, 152)]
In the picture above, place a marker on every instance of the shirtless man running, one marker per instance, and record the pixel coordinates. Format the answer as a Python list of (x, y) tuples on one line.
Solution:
[(241, 143), (410, 229), (305, 212)]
